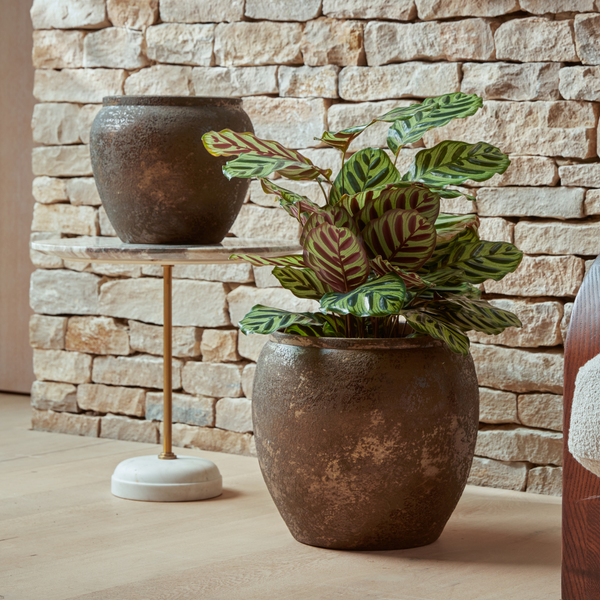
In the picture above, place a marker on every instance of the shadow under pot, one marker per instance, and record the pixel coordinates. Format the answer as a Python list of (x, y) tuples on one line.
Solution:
[(157, 182)]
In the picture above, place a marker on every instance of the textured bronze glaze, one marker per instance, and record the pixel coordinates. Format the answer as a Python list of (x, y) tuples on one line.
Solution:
[(365, 449), (157, 182)]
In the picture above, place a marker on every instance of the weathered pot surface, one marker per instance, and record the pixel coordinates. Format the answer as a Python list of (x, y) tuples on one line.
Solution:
[(364, 444), (157, 182)]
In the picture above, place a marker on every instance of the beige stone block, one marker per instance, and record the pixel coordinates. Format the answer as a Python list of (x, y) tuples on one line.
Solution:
[(586, 175), (128, 430), (69, 14), (525, 171), (60, 397), (195, 303), (308, 82), (82, 191), (235, 81), (588, 265), (63, 422), (59, 292), (556, 202), (191, 410), (77, 85), (87, 114), (249, 346), (496, 406), (447, 9), (512, 443), (201, 11), (293, 122), (115, 48), (212, 439), (211, 379), (498, 474), (231, 272), (543, 7), (248, 380), (55, 49), (592, 202), (61, 161), (412, 79), (510, 81), (333, 42), (496, 230), (116, 270), (48, 190), (545, 480), (234, 414), (64, 218), (538, 128), (58, 365), (264, 43), (387, 42), (326, 158), (243, 298), (97, 335), (587, 38), (181, 43), (160, 80), (541, 410), (393, 10), (566, 320), (149, 339), (47, 332), (111, 399), (551, 237), (517, 370), (535, 39), (580, 83), (40, 260), (106, 228), (133, 14), (219, 346), (541, 324), (283, 10), (455, 206), (541, 276), (264, 278), (256, 222), (77, 265), (139, 371)]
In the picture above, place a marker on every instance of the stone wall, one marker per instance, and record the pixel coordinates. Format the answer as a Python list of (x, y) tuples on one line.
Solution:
[(302, 67)]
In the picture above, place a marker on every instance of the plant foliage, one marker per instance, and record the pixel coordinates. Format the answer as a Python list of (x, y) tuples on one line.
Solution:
[(378, 255)]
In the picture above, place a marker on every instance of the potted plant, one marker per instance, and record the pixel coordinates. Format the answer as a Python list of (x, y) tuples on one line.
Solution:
[(366, 412)]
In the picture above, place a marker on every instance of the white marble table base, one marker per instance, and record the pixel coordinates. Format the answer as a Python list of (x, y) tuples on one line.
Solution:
[(166, 477)]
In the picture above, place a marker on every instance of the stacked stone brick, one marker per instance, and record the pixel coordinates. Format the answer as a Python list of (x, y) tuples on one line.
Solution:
[(301, 68)]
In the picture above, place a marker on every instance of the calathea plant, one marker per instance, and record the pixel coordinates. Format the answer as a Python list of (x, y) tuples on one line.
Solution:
[(379, 256)]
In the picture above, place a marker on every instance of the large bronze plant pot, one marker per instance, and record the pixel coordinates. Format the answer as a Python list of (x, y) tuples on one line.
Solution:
[(364, 444), (157, 182)]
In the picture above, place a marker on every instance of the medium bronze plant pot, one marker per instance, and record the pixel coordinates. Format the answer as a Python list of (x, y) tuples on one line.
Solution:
[(364, 444), (157, 182)]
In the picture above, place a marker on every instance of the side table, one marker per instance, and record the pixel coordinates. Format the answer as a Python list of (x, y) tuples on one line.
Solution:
[(166, 477)]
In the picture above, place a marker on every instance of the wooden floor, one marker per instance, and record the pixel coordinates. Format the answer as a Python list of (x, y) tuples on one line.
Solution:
[(63, 536)]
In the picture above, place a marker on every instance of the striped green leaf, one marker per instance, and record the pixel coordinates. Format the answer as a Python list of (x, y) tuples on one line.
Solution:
[(435, 112), (449, 193), (377, 298), (411, 280), (445, 247), (440, 329), (413, 197), (253, 165), (333, 325), (337, 256), (448, 226), (403, 237), (281, 261), (479, 315), (305, 330), (230, 143), (303, 283), (364, 170), (264, 319), (299, 207), (453, 163), (337, 216)]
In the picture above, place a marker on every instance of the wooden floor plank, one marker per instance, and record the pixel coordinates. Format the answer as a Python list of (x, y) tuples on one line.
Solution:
[(63, 536)]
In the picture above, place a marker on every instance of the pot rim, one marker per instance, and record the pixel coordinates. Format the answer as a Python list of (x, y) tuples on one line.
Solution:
[(168, 101), (355, 343)]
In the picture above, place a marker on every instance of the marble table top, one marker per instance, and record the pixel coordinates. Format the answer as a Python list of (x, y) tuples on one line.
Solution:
[(113, 250)]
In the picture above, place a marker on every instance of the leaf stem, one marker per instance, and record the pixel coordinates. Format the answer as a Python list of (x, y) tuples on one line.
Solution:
[(397, 154), (323, 190)]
